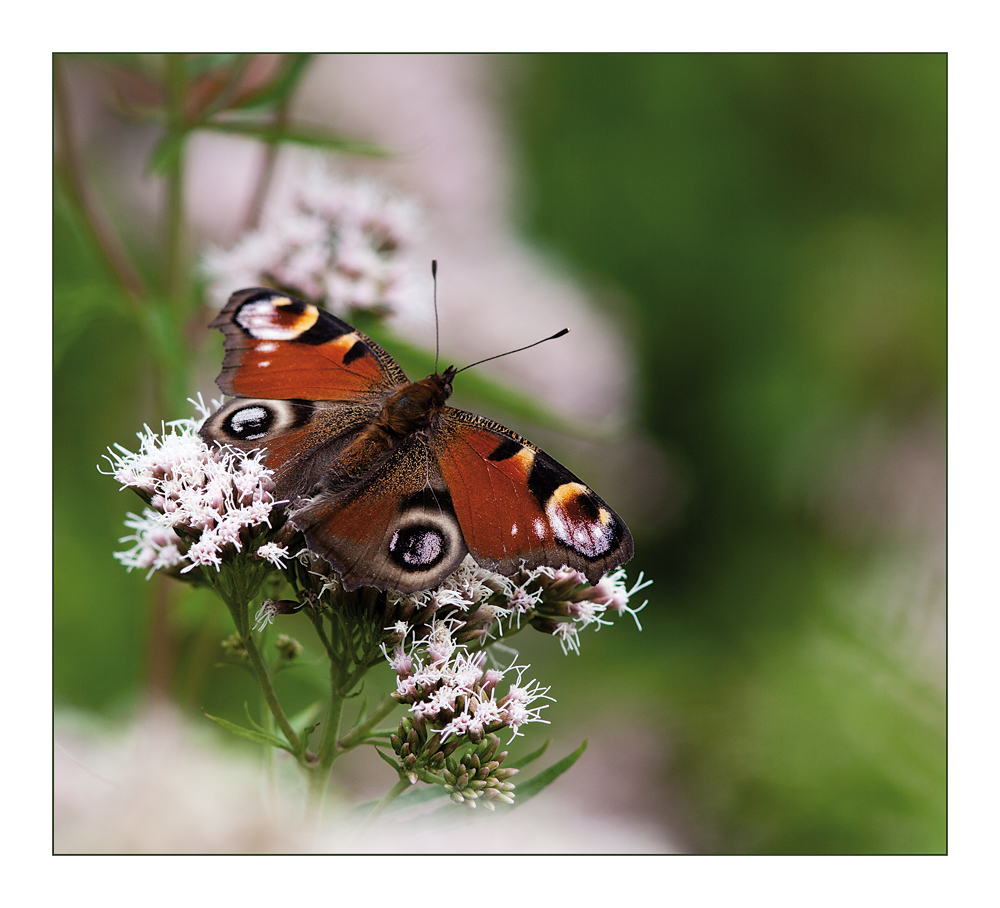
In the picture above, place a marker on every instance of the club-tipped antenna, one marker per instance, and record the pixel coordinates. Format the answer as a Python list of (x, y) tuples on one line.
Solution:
[(518, 350), (437, 332)]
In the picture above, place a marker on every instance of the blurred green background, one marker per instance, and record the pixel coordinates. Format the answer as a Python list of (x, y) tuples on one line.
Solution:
[(774, 228)]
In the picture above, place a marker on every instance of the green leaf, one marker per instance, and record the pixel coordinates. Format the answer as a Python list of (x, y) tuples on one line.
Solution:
[(414, 797), (286, 82), (259, 737), (527, 790), (418, 796), (524, 761), (388, 759), (166, 154), (303, 718), (299, 133)]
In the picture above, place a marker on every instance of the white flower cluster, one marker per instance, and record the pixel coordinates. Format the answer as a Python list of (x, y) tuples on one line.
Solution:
[(200, 498), (343, 244), (451, 690), (558, 601), (566, 594), (467, 588)]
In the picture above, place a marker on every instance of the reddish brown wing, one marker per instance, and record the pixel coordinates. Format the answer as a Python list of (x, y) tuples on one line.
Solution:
[(516, 504), (281, 348), (395, 530), (303, 438)]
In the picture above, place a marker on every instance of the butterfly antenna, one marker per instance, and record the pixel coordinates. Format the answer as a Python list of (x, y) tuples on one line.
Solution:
[(437, 331), (518, 350)]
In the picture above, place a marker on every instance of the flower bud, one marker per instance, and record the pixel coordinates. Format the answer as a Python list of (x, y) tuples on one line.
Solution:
[(288, 647)]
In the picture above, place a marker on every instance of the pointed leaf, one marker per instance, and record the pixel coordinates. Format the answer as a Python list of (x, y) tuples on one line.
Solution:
[(388, 759), (417, 796), (303, 718), (527, 790), (524, 761), (250, 735), (285, 83), (299, 133), (166, 154)]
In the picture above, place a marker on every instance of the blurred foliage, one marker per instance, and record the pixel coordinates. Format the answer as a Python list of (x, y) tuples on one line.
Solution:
[(778, 225)]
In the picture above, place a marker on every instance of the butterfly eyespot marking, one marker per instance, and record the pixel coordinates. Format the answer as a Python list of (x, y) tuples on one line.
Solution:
[(241, 420), (248, 423), (580, 521), (427, 538), (418, 547)]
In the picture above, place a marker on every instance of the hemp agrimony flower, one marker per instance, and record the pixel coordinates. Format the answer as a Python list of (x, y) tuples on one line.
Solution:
[(202, 501), (342, 244)]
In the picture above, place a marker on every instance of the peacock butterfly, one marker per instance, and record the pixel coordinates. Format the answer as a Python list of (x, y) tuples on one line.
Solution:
[(385, 482)]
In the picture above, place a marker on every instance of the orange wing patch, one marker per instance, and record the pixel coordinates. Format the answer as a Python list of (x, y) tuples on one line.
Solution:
[(487, 475), (281, 348)]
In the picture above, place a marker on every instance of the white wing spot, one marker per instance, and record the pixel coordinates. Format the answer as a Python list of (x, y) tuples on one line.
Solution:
[(588, 537)]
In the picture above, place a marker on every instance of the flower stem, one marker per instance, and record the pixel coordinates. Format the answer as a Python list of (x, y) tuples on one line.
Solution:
[(327, 748), (387, 799), (68, 163), (267, 689), (279, 121), (239, 608), (356, 735), (175, 277)]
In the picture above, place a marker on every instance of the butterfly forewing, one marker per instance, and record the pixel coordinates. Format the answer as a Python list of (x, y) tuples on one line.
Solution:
[(515, 504), (282, 348)]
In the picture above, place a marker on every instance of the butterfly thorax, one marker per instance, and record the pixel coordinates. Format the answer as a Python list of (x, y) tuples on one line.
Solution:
[(412, 408), (415, 406)]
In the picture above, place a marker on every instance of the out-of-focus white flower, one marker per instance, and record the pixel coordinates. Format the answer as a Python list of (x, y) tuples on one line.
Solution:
[(343, 244), (201, 498)]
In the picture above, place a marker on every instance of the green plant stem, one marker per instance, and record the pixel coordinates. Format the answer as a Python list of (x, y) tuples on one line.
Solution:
[(267, 689), (239, 608), (68, 162), (256, 209), (175, 276), (387, 799), (267, 720), (357, 735), (327, 748)]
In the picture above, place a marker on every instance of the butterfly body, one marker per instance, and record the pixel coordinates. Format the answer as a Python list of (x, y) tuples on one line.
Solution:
[(385, 481)]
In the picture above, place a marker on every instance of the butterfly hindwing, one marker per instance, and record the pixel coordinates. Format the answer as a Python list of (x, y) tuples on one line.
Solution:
[(515, 504), (394, 530), (302, 438)]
